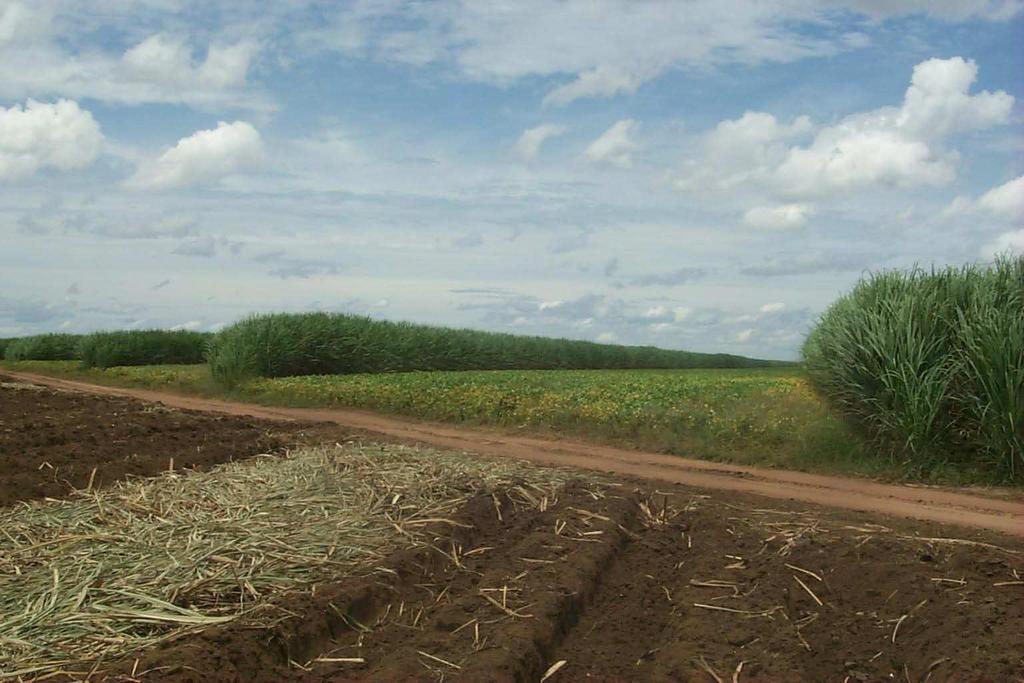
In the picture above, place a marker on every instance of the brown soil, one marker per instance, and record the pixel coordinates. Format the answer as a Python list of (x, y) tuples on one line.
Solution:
[(52, 441), (1004, 513), (625, 582)]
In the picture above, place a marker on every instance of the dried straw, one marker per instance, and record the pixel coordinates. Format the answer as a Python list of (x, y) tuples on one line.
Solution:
[(110, 571)]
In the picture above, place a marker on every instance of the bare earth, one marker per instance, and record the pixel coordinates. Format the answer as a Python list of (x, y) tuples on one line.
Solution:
[(608, 578), (1003, 514)]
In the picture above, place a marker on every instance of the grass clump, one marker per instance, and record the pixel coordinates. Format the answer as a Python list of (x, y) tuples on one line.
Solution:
[(43, 347), (931, 363), (282, 345), (143, 347)]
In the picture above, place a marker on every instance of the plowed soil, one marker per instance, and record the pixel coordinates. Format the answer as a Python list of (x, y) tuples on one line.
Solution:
[(54, 441), (611, 579), (626, 583)]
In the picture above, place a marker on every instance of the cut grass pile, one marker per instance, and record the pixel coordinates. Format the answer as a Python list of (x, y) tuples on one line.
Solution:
[(283, 345), (932, 364), (109, 571), (43, 347), (142, 347)]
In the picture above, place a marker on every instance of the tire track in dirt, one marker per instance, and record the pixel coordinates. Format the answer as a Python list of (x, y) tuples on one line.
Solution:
[(488, 599), (1005, 514), (613, 582)]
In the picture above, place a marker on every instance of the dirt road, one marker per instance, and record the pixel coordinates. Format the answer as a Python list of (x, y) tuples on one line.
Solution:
[(1004, 514)]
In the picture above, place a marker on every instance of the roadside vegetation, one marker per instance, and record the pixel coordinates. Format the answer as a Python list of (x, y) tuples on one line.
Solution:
[(142, 347), (931, 365), (768, 417), (286, 345), (43, 347)]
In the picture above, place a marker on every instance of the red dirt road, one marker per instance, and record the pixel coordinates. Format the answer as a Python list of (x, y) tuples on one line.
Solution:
[(944, 506)]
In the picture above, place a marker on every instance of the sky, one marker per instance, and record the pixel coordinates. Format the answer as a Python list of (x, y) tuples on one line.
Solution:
[(697, 174)]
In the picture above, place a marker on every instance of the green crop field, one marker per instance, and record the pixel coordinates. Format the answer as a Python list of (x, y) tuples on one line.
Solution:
[(764, 416)]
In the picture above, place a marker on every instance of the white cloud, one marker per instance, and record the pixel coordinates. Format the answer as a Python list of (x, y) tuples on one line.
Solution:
[(549, 305), (1012, 242), (501, 44), (656, 312), (158, 58), (745, 335), (42, 53), (205, 247), (848, 156), (773, 307), (529, 143), (949, 10), (957, 207), (897, 146), (18, 24), (606, 337), (227, 66), (602, 81), (681, 313), (937, 103), (203, 157), (890, 146), (38, 135), (615, 146), (741, 151), (781, 217), (189, 325), (1006, 200), (607, 47), (167, 61)]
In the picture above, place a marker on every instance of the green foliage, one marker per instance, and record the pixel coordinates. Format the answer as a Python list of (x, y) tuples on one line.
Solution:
[(43, 347), (282, 345), (143, 347), (4, 343), (767, 416), (931, 363)]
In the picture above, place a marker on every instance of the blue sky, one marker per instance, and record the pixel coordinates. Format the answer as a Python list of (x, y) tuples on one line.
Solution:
[(706, 175)]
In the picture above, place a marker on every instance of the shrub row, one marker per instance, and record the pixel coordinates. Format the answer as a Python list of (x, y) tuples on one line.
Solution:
[(109, 349), (43, 347), (931, 363), (280, 345), (143, 347)]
